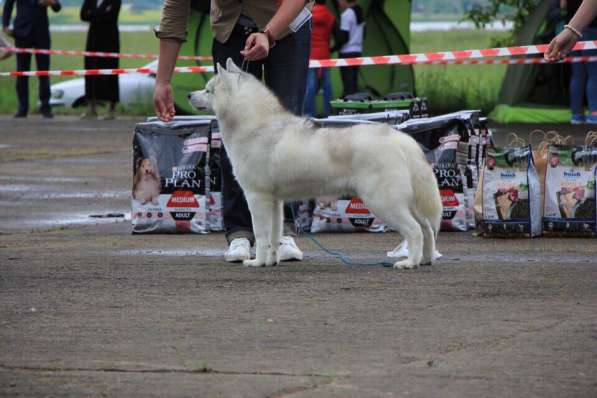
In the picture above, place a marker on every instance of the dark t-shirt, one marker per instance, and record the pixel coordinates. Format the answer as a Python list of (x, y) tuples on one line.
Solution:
[(573, 6)]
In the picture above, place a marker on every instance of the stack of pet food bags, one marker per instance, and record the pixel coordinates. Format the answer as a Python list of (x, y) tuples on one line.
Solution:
[(549, 191), (171, 190), (455, 146), (345, 214)]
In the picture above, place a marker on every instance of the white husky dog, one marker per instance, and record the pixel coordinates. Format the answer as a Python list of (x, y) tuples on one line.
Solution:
[(277, 156)]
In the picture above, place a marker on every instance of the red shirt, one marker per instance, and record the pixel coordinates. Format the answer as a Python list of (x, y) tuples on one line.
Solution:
[(322, 26)]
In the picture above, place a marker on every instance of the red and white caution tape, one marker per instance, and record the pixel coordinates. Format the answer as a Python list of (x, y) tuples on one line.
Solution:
[(210, 69), (411, 59), (377, 60), (99, 54), (105, 72), (509, 61), (468, 57)]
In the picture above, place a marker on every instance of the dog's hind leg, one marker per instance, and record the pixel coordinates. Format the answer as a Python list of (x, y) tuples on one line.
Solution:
[(428, 239), (262, 212), (273, 256), (394, 210)]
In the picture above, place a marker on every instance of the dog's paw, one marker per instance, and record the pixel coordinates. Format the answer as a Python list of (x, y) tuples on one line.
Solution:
[(254, 263), (425, 262), (272, 258), (405, 264)]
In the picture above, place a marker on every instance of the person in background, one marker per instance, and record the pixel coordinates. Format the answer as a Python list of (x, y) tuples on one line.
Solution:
[(323, 24), (256, 33), (102, 35), (31, 30), (350, 44), (582, 25)]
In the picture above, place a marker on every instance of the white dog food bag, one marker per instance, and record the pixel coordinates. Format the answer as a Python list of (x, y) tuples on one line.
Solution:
[(344, 215), (169, 184), (511, 196), (569, 208)]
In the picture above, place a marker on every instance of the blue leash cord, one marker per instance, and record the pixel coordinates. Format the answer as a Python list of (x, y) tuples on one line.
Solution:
[(339, 255), (342, 257)]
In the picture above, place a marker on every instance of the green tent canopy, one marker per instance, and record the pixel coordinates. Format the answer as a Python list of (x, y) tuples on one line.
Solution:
[(388, 32), (535, 93)]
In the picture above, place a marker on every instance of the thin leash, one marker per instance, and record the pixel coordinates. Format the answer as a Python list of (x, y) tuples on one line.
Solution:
[(339, 255)]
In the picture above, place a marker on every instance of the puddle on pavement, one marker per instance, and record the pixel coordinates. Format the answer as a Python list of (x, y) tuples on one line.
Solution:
[(62, 220), (38, 179), (172, 252), (79, 195)]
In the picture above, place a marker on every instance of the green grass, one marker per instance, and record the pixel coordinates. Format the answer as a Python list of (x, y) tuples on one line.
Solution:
[(448, 88), (455, 87), (137, 42)]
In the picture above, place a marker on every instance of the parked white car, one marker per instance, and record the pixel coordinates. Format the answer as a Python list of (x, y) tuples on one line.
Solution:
[(134, 89)]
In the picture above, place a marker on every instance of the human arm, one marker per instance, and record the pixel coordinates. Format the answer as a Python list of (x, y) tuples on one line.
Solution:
[(54, 4), (258, 44), (6, 14), (172, 33), (163, 98), (563, 43), (340, 37), (107, 11)]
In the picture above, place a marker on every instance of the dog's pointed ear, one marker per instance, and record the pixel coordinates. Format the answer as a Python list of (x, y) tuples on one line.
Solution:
[(221, 70), (231, 66)]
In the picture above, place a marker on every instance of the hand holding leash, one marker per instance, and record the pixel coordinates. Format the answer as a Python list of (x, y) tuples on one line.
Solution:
[(256, 47)]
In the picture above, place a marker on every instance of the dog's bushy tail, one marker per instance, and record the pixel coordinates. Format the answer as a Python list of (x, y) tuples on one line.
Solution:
[(427, 196)]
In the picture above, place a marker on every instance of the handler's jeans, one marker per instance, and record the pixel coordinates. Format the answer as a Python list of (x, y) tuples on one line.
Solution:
[(318, 78), (285, 71), (584, 79)]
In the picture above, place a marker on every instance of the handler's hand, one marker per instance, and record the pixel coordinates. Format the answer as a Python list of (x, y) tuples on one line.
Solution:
[(256, 47), (561, 46), (163, 102)]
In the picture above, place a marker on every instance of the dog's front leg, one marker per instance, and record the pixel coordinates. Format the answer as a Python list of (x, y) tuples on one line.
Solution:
[(262, 212)]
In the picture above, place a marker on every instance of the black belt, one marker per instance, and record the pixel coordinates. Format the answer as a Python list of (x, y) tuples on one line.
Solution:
[(245, 26)]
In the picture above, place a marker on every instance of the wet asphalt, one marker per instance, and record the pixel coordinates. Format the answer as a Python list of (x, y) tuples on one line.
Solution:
[(87, 309)]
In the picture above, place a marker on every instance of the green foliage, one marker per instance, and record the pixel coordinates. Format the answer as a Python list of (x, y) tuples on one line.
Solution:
[(516, 11)]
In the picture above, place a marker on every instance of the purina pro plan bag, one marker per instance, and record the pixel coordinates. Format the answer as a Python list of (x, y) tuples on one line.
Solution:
[(169, 190)]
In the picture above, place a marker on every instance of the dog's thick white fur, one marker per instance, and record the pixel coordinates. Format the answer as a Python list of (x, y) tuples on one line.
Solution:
[(277, 156)]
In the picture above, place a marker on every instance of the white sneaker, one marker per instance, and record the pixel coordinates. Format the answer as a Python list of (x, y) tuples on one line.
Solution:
[(239, 250), (289, 250)]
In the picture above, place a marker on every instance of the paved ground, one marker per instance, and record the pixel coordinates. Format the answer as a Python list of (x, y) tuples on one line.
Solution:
[(87, 309)]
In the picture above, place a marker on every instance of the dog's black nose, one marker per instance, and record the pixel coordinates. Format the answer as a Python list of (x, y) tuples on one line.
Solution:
[(189, 95)]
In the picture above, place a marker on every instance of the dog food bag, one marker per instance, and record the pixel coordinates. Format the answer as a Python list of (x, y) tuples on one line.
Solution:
[(215, 217), (511, 197), (451, 181), (569, 207), (344, 215), (169, 184)]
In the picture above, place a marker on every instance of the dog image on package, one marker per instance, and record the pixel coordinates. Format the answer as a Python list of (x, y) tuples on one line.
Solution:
[(146, 182), (277, 156)]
